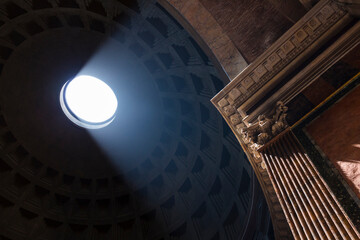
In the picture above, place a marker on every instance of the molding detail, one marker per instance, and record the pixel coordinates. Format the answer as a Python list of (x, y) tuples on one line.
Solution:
[(285, 55)]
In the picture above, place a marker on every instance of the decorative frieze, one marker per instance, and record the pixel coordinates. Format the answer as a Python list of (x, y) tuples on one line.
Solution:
[(270, 68)]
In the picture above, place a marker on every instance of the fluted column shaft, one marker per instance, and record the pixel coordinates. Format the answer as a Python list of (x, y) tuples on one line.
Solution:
[(310, 207)]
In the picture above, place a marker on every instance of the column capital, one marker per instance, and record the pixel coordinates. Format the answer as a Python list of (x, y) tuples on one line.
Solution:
[(265, 128)]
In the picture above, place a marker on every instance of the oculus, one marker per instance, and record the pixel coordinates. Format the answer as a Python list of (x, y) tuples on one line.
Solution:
[(88, 102)]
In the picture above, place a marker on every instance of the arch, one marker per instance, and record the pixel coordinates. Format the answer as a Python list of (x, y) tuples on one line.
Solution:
[(208, 33)]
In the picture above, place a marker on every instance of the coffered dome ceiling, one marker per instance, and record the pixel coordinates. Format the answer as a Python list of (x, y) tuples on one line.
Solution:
[(168, 167)]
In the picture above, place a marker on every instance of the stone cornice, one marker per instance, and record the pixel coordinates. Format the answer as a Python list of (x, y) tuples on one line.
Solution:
[(292, 49)]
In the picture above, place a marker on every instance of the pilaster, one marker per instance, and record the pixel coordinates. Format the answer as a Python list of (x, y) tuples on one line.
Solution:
[(254, 106)]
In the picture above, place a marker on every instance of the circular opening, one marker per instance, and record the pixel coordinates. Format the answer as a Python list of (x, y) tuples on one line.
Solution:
[(88, 102)]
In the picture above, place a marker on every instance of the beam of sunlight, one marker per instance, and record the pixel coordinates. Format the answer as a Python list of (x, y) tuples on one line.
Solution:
[(134, 134)]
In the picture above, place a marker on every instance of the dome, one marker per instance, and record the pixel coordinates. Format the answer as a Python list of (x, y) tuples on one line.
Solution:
[(167, 167)]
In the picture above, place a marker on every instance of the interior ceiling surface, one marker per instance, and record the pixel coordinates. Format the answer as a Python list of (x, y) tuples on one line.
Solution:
[(168, 167)]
